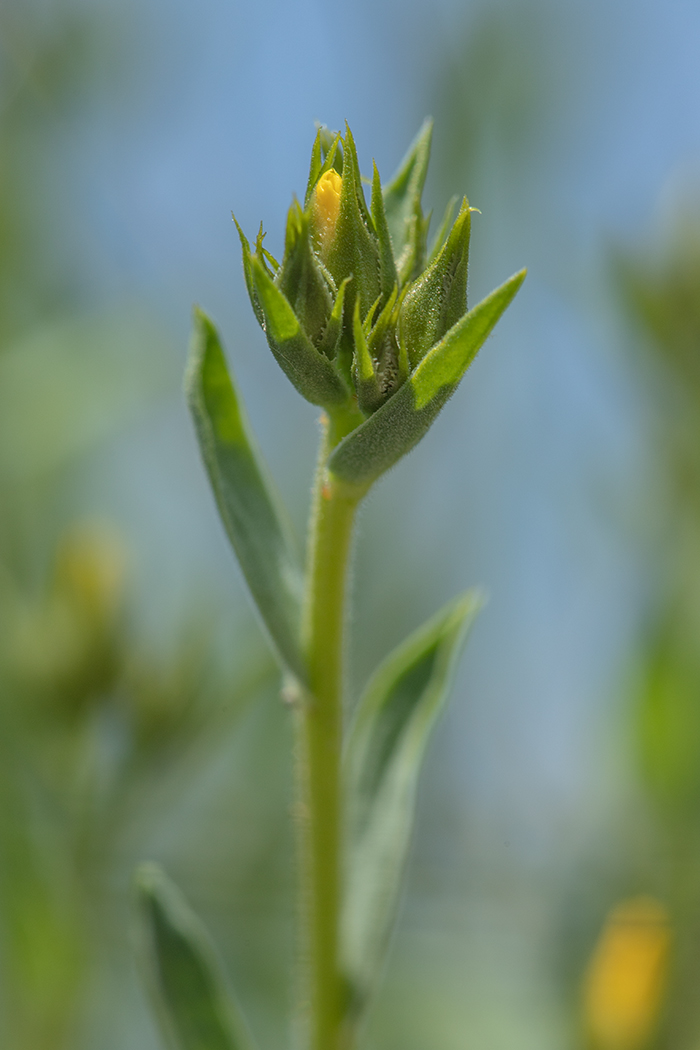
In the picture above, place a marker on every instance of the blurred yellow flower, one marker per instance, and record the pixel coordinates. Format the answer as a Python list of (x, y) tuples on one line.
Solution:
[(626, 979)]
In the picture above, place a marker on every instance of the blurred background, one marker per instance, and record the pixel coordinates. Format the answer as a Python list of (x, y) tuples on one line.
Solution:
[(139, 714)]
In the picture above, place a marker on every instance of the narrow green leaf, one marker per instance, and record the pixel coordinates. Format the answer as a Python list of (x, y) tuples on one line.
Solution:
[(395, 428), (250, 509), (308, 370), (402, 204), (391, 729), (193, 1007), (447, 362)]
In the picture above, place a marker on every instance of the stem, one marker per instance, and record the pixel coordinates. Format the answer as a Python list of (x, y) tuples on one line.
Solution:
[(320, 737)]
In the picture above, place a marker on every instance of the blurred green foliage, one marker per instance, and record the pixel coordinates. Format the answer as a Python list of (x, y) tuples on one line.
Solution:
[(661, 293), (91, 716), (92, 720)]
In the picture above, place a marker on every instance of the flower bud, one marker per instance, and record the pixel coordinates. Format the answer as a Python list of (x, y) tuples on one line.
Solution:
[(326, 206), (354, 312)]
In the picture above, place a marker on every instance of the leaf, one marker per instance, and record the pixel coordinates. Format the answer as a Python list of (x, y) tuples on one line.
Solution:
[(310, 371), (250, 508), (193, 1007), (67, 386), (391, 729), (394, 429)]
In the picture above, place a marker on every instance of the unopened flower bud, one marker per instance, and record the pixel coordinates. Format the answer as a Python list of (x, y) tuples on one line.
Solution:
[(326, 205)]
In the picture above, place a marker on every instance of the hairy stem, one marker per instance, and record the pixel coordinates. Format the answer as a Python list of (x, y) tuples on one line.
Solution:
[(320, 741)]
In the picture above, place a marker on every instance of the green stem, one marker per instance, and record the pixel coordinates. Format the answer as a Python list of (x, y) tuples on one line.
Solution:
[(320, 742)]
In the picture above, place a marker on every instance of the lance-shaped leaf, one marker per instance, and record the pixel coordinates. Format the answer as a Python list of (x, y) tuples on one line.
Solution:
[(401, 422), (310, 371), (391, 729), (193, 1007), (402, 205), (250, 509)]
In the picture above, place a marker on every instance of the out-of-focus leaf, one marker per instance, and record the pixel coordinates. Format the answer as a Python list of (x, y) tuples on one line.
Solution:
[(194, 1009), (391, 729), (402, 421), (251, 511), (70, 385), (668, 719), (402, 205)]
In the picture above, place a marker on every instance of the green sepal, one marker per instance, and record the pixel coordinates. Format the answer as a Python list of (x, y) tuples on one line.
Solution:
[(314, 167), (438, 298), (263, 254), (301, 279), (333, 159), (390, 731), (308, 370), (251, 511), (402, 204), (443, 229), (331, 337), (388, 277), (248, 274), (353, 250), (385, 349), (192, 1004), (262, 251), (351, 167), (369, 392), (394, 429)]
